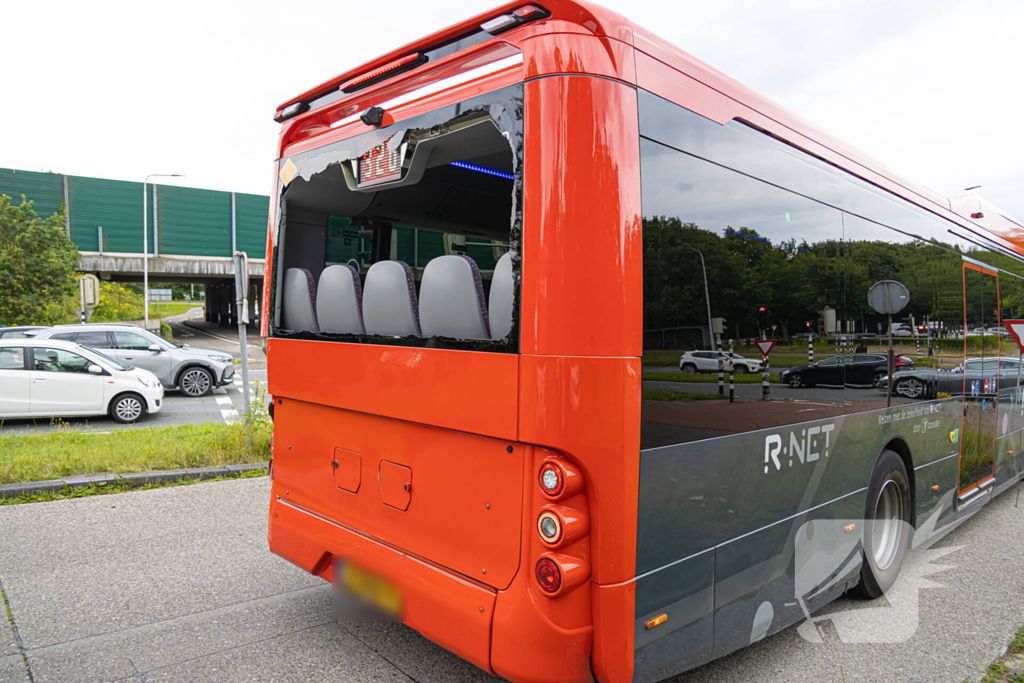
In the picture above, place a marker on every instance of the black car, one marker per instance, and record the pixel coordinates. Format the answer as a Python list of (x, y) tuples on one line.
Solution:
[(979, 376), (855, 370)]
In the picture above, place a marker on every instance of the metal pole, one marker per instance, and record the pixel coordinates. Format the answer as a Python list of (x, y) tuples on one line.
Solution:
[(242, 311), (234, 238), (721, 366), (145, 243), (707, 297), (810, 348), (765, 389), (145, 255), (732, 369), (888, 393), (99, 238), (156, 223)]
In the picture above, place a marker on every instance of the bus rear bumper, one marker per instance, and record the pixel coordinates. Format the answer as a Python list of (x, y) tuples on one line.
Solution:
[(444, 607)]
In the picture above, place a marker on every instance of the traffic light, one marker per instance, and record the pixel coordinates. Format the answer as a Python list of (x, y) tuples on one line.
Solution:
[(762, 317)]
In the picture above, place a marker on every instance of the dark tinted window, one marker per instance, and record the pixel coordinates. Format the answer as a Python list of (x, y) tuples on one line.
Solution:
[(64, 336), (96, 340), (771, 226)]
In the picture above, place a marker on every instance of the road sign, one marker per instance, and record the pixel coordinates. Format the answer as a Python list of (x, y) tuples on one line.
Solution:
[(1016, 330), (888, 297), (766, 346), (89, 291)]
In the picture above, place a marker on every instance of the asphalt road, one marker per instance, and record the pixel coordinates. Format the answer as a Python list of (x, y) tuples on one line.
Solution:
[(177, 584)]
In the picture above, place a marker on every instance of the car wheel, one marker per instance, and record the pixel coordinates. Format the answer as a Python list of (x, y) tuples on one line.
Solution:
[(910, 387), (877, 380), (887, 530), (795, 381), (196, 382), (741, 369), (127, 408), (688, 368)]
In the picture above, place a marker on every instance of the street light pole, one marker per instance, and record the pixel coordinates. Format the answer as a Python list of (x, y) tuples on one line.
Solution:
[(145, 243), (707, 297)]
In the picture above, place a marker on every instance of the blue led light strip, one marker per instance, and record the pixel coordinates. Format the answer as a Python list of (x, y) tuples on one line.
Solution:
[(481, 169), (762, 239)]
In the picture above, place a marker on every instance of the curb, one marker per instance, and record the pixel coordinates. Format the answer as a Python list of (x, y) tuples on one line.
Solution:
[(134, 478)]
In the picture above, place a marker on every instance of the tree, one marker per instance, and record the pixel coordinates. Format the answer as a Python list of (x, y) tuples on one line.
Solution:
[(37, 265)]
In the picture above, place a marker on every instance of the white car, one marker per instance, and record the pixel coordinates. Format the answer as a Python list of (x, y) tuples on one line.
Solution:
[(51, 378), (707, 361)]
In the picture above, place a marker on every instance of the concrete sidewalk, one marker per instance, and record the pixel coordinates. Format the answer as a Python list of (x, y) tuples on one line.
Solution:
[(177, 584)]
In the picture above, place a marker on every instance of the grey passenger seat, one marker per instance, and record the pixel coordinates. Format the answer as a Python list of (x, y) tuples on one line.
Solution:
[(502, 297), (298, 311), (339, 301), (452, 299), (389, 300)]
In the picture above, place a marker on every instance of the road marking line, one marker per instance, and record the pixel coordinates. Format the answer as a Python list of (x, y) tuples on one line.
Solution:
[(229, 416), (224, 399)]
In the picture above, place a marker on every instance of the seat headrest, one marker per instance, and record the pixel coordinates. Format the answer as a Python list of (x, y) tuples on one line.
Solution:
[(452, 299), (339, 301), (389, 300), (298, 309), (502, 298)]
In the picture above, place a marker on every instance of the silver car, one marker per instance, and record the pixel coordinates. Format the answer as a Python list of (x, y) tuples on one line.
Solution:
[(192, 370)]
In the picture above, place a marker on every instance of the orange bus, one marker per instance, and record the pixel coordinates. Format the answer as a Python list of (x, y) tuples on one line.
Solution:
[(499, 259)]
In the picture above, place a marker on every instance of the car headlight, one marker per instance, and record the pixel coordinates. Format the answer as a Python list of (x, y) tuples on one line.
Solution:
[(222, 359), (148, 381)]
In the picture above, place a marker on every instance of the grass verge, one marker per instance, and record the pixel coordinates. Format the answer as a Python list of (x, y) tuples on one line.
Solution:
[(1010, 667), (677, 396), (706, 378), (116, 487), (65, 452)]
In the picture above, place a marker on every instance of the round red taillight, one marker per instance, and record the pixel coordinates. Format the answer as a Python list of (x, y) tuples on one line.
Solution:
[(551, 479), (548, 575)]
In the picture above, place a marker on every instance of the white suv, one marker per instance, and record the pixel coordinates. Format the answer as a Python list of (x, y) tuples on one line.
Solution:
[(707, 361), (51, 378)]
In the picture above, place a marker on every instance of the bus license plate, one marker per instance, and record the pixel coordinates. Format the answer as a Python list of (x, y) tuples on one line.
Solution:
[(372, 589)]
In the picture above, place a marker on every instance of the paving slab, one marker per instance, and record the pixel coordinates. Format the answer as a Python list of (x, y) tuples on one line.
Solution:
[(13, 670)]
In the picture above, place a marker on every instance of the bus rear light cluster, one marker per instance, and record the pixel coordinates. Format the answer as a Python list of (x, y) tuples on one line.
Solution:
[(559, 478), (557, 574), (549, 578), (551, 479), (518, 16), (561, 526)]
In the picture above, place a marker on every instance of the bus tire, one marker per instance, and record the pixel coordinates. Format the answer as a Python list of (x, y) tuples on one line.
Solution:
[(887, 529)]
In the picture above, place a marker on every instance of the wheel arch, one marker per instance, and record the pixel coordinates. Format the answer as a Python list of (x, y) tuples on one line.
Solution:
[(186, 365), (125, 392), (900, 447)]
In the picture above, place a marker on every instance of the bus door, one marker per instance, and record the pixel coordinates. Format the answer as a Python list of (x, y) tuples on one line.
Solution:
[(981, 390)]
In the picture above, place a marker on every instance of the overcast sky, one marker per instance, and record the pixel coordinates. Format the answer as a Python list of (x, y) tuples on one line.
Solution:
[(931, 89)]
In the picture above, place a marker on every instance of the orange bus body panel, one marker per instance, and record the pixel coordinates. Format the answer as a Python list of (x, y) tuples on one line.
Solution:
[(555, 631), (461, 390), (565, 53), (614, 608), (446, 608), (582, 270), (463, 508)]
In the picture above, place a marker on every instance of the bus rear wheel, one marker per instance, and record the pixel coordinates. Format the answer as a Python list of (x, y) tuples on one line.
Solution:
[(888, 532)]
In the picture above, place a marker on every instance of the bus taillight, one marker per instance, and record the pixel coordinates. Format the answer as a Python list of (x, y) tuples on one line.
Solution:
[(548, 576), (519, 16), (562, 526), (559, 478)]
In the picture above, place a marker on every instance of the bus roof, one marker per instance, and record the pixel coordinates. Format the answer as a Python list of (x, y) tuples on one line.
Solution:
[(737, 100)]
